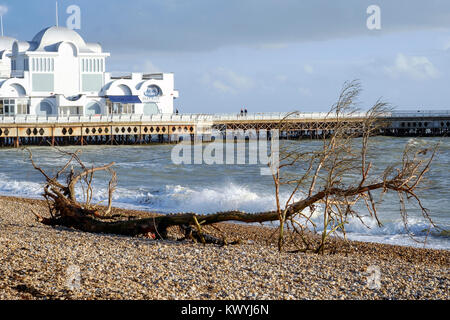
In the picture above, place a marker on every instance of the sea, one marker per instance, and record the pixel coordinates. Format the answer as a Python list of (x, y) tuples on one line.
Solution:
[(148, 179)]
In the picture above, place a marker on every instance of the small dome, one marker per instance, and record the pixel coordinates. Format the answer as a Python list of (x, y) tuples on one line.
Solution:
[(53, 35), (6, 43), (94, 47), (22, 46)]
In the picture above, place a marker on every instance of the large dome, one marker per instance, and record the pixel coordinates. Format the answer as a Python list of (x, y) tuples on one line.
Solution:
[(53, 35)]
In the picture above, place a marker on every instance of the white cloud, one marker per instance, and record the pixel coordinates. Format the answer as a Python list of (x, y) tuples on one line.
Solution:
[(281, 78), (149, 67), (308, 69), (447, 45), (305, 92), (227, 81), (219, 85), (3, 10), (415, 67)]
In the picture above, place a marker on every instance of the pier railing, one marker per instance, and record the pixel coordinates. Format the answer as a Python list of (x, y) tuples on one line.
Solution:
[(189, 118)]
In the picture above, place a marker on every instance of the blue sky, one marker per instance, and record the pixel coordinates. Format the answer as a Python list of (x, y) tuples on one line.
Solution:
[(267, 55)]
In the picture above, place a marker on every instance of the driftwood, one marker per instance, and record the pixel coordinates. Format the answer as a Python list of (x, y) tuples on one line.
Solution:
[(323, 178)]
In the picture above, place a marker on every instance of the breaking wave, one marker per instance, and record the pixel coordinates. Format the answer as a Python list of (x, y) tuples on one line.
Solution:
[(177, 198)]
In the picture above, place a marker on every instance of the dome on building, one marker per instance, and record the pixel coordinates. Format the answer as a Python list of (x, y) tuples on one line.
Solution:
[(6, 43), (47, 39), (94, 47), (21, 46)]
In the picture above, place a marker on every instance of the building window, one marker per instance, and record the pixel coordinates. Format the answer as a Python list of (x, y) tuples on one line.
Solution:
[(23, 107), (71, 111), (7, 107), (119, 108)]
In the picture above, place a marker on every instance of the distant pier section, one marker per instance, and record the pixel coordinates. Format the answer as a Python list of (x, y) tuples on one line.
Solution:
[(171, 128)]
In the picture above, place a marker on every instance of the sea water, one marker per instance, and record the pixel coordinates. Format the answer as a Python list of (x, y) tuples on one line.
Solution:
[(149, 180)]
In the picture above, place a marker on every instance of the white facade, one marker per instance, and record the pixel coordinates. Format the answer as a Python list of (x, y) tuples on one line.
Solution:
[(58, 73)]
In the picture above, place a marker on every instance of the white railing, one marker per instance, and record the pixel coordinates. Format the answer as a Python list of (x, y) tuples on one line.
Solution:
[(421, 114), (189, 118)]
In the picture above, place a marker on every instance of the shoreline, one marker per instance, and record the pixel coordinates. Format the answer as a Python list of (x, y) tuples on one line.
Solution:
[(142, 212), (35, 259)]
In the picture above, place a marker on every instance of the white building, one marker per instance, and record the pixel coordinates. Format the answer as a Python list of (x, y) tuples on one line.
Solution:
[(58, 73)]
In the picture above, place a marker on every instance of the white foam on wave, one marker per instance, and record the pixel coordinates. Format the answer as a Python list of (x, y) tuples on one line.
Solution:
[(418, 234), (229, 196), (12, 187), (177, 198)]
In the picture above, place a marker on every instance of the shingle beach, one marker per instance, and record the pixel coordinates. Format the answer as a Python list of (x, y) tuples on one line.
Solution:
[(41, 262)]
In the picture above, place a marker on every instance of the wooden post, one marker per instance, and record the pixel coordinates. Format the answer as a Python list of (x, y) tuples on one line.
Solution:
[(82, 139), (112, 136), (53, 136)]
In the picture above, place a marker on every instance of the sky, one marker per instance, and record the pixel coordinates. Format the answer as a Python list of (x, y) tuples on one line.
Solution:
[(266, 55)]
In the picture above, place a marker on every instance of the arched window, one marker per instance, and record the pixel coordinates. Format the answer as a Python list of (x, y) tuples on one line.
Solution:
[(44, 109), (93, 109)]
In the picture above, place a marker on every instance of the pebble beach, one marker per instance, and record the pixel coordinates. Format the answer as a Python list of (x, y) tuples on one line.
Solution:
[(41, 262)]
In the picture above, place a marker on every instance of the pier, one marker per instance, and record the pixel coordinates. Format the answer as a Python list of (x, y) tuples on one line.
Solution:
[(170, 128)]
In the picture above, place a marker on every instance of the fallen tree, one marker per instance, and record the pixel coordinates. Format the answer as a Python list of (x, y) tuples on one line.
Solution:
[(323, 180)]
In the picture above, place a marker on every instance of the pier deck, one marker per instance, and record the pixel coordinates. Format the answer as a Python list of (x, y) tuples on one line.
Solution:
[(135, 129)]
